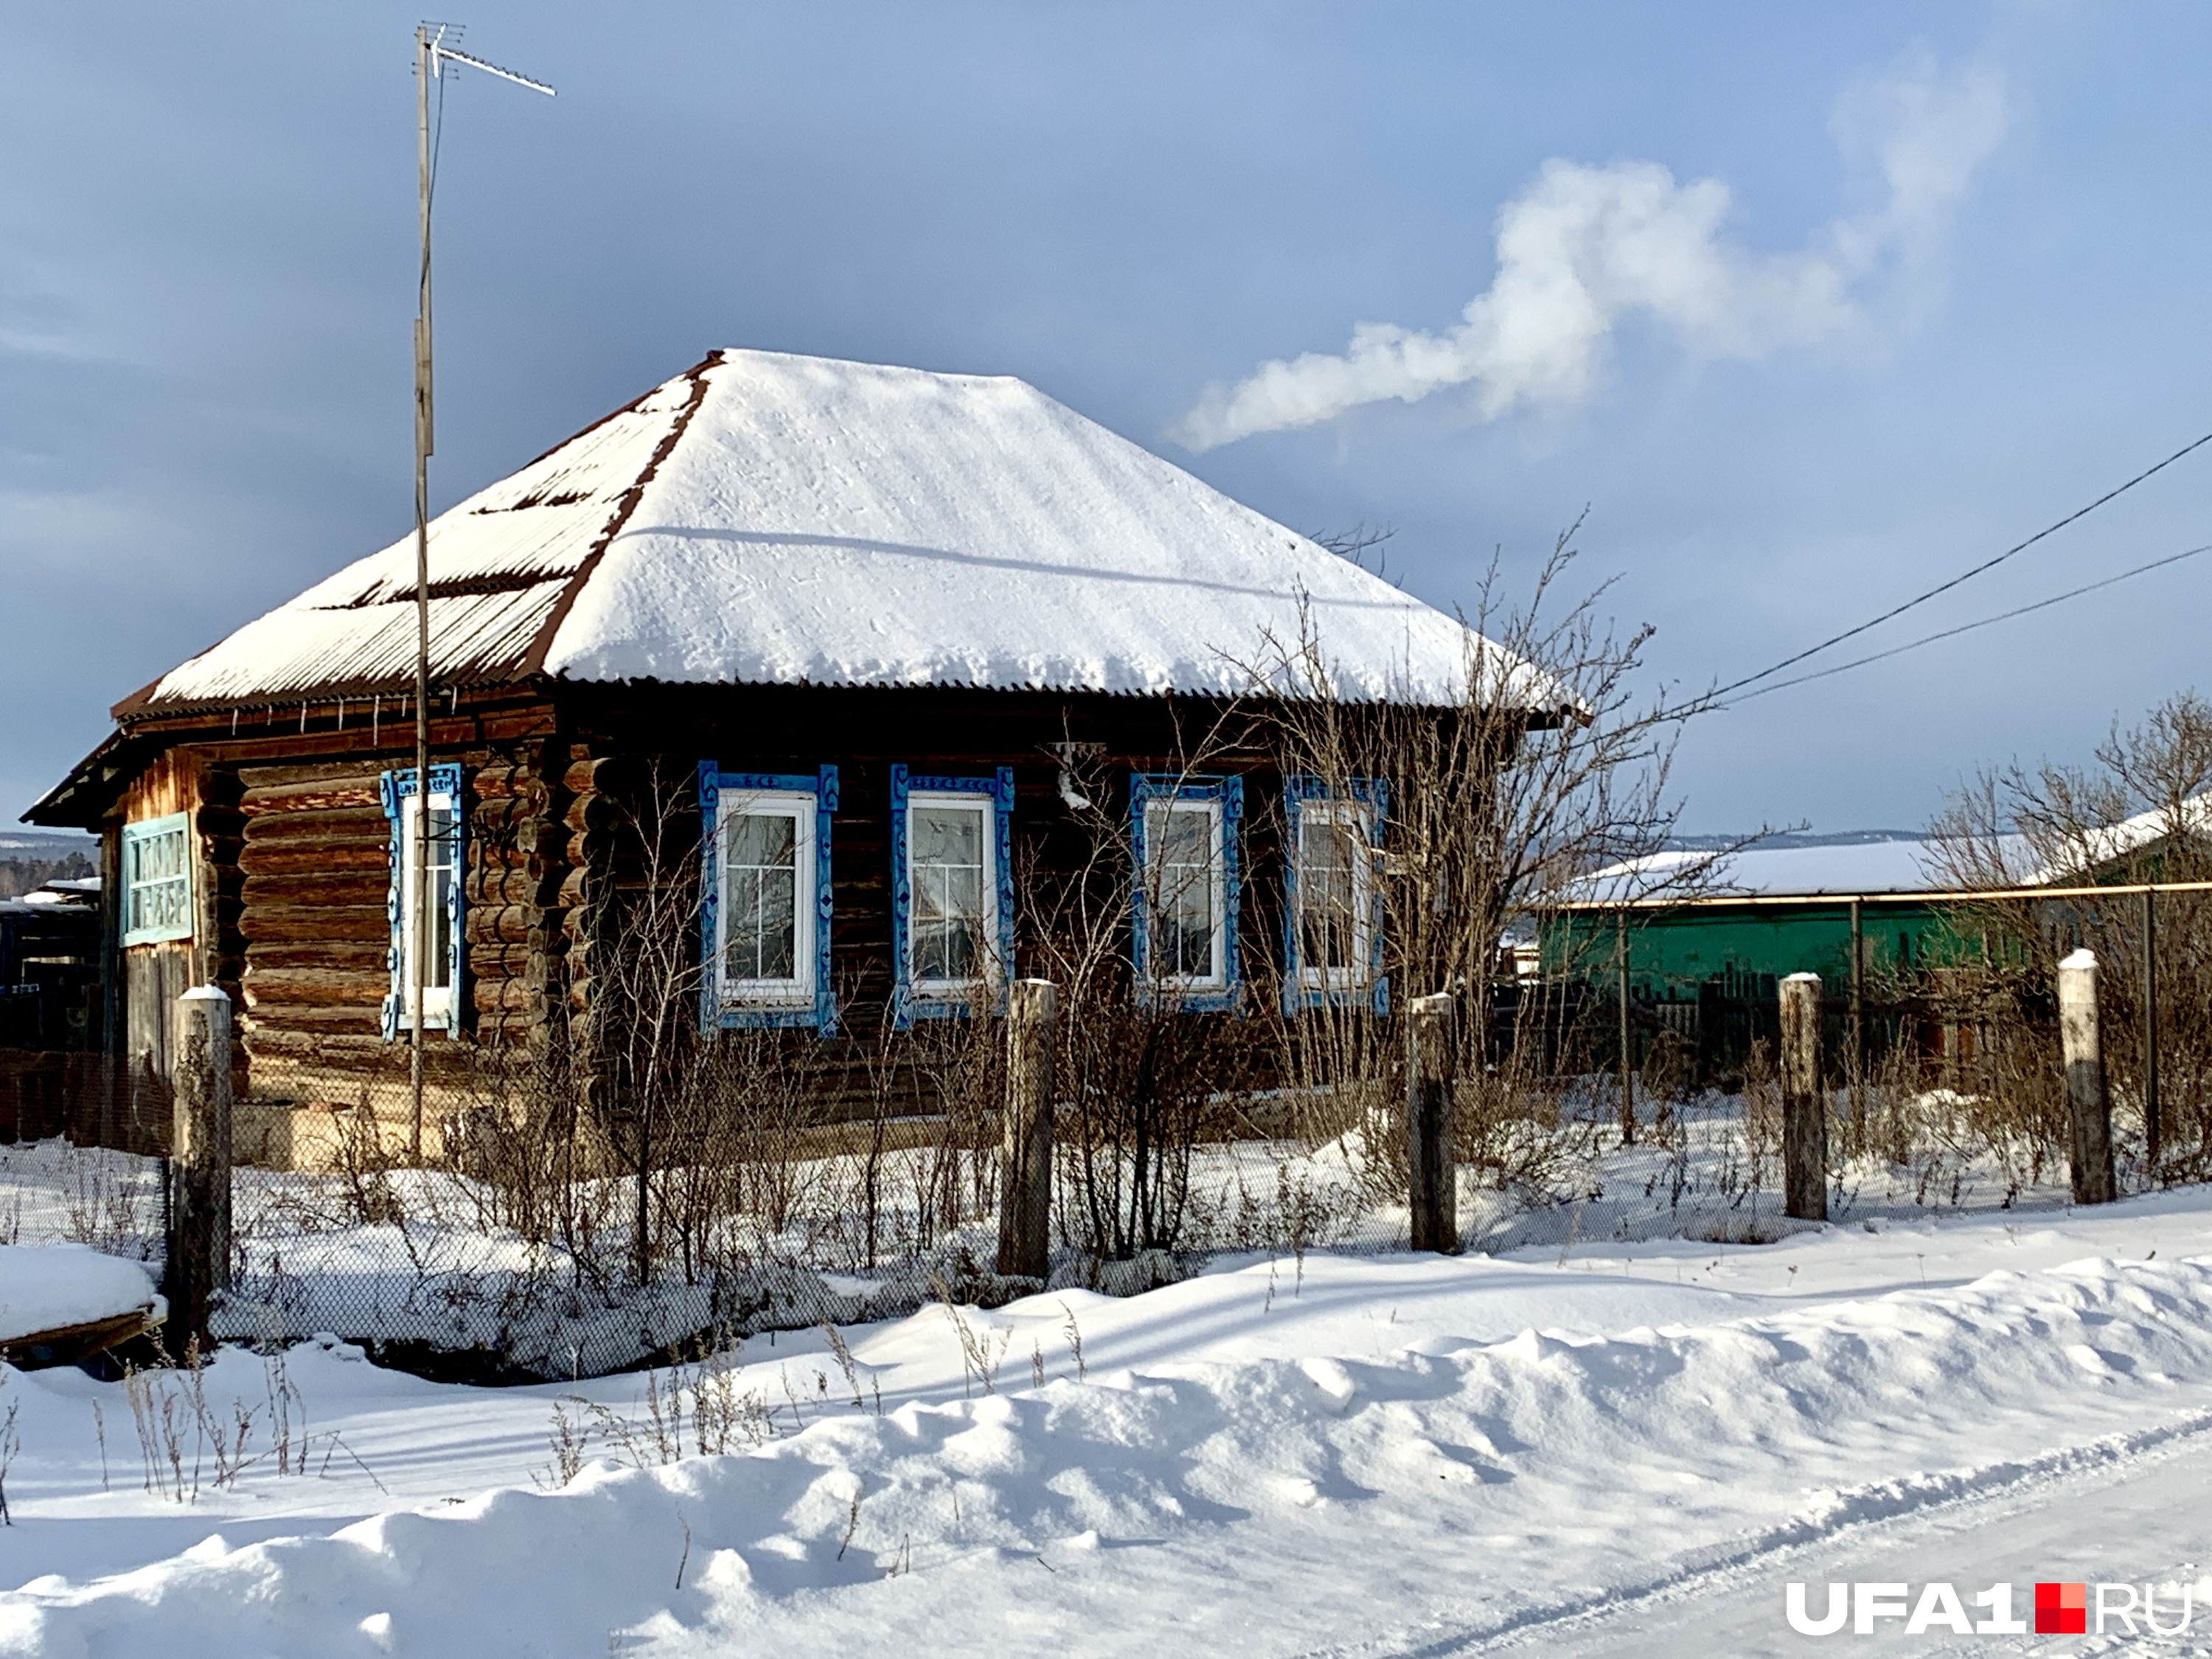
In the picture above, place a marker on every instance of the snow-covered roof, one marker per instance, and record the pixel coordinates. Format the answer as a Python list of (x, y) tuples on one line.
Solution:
[(778, 519), (1882, 866)]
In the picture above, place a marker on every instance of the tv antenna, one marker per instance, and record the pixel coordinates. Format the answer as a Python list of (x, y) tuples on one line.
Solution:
[(433, 51)]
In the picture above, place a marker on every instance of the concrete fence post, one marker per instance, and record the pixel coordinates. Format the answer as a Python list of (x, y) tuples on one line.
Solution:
[(1432, 1175), (2088, 1111), (1025, 1153), (199, 1165), (1804, 1105)]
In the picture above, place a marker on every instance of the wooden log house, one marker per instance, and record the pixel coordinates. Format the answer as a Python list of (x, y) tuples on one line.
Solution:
[(867, 617)]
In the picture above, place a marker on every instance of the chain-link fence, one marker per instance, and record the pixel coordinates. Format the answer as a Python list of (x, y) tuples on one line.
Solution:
[(537, 1251)]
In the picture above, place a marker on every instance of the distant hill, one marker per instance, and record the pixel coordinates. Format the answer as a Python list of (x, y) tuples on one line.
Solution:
[(31, 859), (1792, 838)]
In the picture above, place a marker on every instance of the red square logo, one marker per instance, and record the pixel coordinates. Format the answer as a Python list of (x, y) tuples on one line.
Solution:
[(2061, 1609)]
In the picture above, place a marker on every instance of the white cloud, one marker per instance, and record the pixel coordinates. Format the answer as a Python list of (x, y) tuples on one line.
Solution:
[(1584, 248)]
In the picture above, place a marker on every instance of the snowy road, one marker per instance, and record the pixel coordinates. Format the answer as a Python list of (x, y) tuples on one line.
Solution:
[(2142, 1514), (1621, 1452)]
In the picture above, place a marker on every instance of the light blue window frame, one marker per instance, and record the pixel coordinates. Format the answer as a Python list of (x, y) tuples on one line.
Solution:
[(1373, 797), (715, 1014), (135, 836), (393, 789), (908, 1005), (1146, 789)]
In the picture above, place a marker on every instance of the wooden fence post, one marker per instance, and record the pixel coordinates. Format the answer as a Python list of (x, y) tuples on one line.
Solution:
[(1431, 1171), (1804, 1106), (1627, 1037), (2089, 1112), (2153, 1136), (1025, 1153), (199, 1165)]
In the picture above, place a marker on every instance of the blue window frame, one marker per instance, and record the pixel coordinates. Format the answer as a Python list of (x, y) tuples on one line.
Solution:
[(952, 893), (441, 992), (157, 880), (766, 902), (1184, 834), (1333, 907)]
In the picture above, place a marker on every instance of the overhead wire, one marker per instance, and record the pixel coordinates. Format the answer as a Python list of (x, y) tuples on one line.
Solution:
[(1968, 628), (1897, 610)]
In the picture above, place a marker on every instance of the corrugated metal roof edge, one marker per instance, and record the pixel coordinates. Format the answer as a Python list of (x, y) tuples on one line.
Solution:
[(534, 656)]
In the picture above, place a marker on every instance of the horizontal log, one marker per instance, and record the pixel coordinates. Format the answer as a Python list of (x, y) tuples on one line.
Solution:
[(357, 791), (346, 956), (339, 887), (292, 1053), (494, 960), (546, 839), (497, 778), (506, 924), (262, 1016), (505, 996), (316, 986), (363, 924), (501, 886), (316, 774), (355, 823), (284, 857), (595, 811)]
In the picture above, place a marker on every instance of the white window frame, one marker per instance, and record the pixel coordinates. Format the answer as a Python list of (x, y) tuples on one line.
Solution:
[(136, 836), (1156, 820), (798, 992), (1360, 817), (985, 809), (437, 999)]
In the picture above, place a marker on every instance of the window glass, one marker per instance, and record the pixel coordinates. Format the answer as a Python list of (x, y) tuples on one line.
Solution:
[(760, 896), (950, 926), (1331, 890), (445, 848), (157, 875), (1186, 876)]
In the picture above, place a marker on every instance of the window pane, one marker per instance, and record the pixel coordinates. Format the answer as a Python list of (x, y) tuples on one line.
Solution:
[(947, 835), (762, 840), (760, 896), (1327, 891), (439, 967), (950, 913), (1184, 851), (158, 886)]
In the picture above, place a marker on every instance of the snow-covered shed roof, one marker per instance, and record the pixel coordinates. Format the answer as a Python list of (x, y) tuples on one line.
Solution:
[(1902, 866), (765, 518)]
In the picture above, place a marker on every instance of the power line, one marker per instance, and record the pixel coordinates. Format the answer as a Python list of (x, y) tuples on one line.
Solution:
[(1968, 628), (1964, 575)]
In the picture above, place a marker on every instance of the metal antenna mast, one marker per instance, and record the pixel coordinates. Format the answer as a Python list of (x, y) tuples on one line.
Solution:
[(431, 55)]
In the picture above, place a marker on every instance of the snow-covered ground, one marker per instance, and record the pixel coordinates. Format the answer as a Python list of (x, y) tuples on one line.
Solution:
[(1615, 1448)]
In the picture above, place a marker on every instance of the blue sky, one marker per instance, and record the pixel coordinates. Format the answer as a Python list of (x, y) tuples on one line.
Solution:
[(205, 288)]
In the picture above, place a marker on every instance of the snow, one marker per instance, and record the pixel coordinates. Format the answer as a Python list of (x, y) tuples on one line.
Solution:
[(846, 523), (1554, 1452), (767, 518), (45, 1288), (1880, 866)]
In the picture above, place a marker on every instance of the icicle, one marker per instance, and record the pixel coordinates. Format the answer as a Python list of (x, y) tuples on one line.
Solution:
[(303, 713), (375, 717), (233, 722), (341, 714)]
